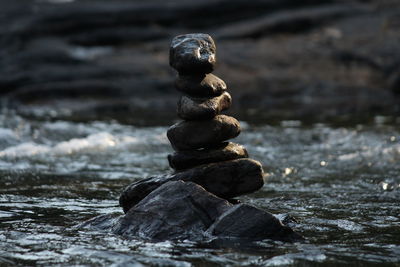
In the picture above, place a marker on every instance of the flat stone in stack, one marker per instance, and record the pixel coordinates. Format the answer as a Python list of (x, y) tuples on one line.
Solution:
[(200, 85), (191, 108), (189, 135), (191, 158)]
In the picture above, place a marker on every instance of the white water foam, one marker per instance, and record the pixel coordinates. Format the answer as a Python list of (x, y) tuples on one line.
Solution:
[(92, 143)]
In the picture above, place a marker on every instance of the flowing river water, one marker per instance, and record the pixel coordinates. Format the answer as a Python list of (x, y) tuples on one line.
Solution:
[(340, 185)]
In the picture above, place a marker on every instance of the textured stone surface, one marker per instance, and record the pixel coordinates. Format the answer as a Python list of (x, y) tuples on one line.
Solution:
[(180, 210), (187, 135), (226, 179), (244, 221), (191, 158), (200, 85), (203, 108), (175, 210), (104, 222), (192, 53)]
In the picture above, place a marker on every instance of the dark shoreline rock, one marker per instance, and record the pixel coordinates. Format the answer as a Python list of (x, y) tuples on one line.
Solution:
[(187, 135), (227, 179), (278, 54), (187, 159)]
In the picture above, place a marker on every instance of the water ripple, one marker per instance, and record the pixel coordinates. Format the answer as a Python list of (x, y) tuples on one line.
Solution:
[(339, 187)]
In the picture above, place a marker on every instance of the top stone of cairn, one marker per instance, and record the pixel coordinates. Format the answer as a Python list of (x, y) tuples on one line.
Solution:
[(192, 53)]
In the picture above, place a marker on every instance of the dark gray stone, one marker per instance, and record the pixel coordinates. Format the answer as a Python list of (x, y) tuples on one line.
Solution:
[(188, 135), (105, 222), (175, 210), (180, 210), (244, 221), (192, 53), (187, 159), (225, 179), (203, 108), (200, 85)]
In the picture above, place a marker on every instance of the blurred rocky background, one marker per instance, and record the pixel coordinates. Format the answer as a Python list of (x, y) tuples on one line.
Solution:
[(311, 60)]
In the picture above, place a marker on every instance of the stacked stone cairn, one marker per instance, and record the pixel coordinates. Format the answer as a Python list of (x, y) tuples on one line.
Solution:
[(201, 137), (202, 153), (196, 201)]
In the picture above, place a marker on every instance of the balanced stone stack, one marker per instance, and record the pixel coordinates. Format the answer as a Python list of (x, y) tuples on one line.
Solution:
[(202, 153), (201, 137), (192, 202)]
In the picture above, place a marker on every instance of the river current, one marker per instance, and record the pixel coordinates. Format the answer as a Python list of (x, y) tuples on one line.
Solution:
[(340, 186)]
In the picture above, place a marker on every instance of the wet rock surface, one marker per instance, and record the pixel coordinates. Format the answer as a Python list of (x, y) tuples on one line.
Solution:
[(227, 179), (188, 159), (175, 210), (183, 210), (187, 135), (200, 85), (247, 222)]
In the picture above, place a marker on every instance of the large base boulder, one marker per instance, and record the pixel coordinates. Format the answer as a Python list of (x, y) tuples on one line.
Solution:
[(226, 179), (180, 210)]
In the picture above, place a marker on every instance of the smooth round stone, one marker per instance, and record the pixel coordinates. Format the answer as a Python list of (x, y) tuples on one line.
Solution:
[(201, 85), (187, 159), (192, 53), (188, 135), (203, 108), (251, 223)]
